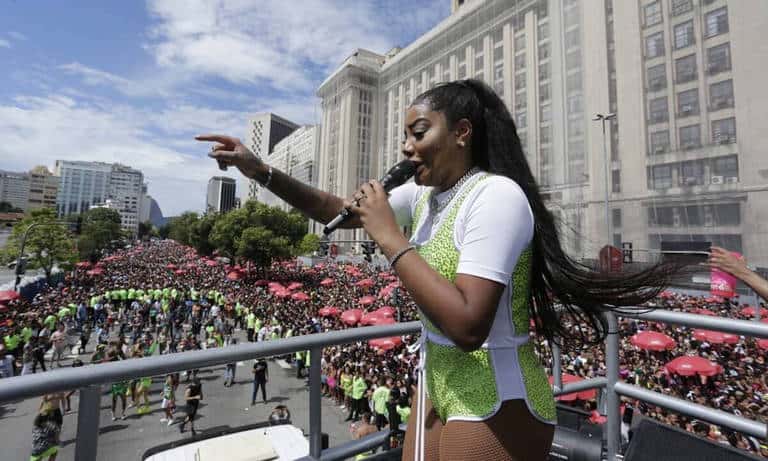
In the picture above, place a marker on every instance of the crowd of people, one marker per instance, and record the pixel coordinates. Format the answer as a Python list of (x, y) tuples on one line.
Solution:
[(161, 297)]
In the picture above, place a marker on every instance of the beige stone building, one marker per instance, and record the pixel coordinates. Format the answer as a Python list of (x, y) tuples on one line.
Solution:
[(680, 160), (43, 187)]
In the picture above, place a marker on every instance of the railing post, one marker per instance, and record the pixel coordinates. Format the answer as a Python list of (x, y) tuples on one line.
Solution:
[(557, 367), (613, 425), (315, 417), (86, 444)]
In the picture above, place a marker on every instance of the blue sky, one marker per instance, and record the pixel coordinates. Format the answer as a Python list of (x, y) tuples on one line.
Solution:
[(133, 82)]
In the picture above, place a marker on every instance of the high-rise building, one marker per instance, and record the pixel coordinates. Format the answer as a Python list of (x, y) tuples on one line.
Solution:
[(221, 195), (85, 184), (43, 188), (296, 156), (14, 189), (264, 131), (681, 78)]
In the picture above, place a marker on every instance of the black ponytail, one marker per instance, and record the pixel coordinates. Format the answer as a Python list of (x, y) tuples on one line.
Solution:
[(559, 284)]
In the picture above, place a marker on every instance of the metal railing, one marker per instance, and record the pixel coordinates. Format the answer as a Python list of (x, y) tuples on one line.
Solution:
[(614, 388), (89, 380)]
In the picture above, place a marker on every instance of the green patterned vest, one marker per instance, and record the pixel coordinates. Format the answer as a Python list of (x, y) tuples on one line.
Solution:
[(468, 385)]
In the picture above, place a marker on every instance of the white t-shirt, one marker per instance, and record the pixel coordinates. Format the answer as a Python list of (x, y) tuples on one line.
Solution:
[(492, 228)]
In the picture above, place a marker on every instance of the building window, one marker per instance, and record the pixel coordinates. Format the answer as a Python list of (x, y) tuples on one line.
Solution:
[(573, 38), (659, 142), (721, 95), (681, 6), (616, 181), (520, 42), (688, 103), (725, 167), (724, 131), (657, 77), (690, 137), (543, 51), (520, 61), (692, 173), (616, 218), (521, 119), (546, 113), (544, 71), (544, 31), (661, 177), (658, 111), (654, 45), (544, 92), (545, 134), (684, 35), (719, 59), (685, 69), (573, 59), (652, 14), (573, 82), (717, 22)]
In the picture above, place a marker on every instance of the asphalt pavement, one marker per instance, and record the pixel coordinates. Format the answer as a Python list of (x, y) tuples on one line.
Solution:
[(222, 408)]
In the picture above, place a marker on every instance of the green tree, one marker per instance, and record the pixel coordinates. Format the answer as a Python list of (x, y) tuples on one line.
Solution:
[(164, 231), (100, 227), (227, 229), (309, 244), (200, 234), (146, 229), (262, 246), (47, 243), (181, 227)]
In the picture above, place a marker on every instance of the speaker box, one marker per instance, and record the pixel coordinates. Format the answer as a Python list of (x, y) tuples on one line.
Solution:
[(653, 441)]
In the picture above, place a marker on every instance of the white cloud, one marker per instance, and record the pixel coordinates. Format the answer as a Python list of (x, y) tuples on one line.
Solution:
[(60, 127), (4, 43)]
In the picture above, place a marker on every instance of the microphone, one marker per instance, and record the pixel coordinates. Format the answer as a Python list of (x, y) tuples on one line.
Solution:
[(395, 177)]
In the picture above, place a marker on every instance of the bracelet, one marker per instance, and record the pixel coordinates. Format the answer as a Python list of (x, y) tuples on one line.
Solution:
[(269, 178), (400, 254)]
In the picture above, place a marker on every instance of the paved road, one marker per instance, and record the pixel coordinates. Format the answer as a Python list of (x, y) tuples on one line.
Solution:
[(126, 440)]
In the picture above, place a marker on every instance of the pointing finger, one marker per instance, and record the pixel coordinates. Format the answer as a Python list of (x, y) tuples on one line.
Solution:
[(217, 138)]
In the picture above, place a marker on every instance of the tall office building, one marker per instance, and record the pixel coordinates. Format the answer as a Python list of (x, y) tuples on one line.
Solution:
[(296, 156), (677, 77), (264, 131), (86, 184), (43, 188), (221, 195), (14, 189)]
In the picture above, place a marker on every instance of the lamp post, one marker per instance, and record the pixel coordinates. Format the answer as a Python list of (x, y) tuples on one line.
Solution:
[(602, 118)]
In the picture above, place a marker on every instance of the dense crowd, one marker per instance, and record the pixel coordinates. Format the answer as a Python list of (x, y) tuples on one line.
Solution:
[(162, 297)]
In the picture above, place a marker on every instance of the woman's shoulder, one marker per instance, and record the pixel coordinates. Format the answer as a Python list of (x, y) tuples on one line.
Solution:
[(495, 184)]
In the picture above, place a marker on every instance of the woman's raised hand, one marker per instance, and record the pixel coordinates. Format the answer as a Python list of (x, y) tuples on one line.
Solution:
[(229, 151)]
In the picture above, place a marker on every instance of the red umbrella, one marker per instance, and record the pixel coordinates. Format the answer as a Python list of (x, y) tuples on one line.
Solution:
[(300, 296), (596, 418), (366, 300), (211, 263), (364, 283), (653, 341), (282, 293), (3, 308), (701, 311), (171, 266), (386, 311), (385, 292), (371, 318), (8, 295), (327, 282), (666, 294), (274, 286), (234, 275), (750, 311), (261, 283), (715, 337), (329, 311), (690, 365), (179, 272), (352, 316), (762, 344), (385, 344), (294, 286), (93, 272), (588, 394), (83, 265), (191, 265)]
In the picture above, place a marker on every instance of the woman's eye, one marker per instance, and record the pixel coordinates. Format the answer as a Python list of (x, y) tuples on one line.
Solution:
[(418, 135)]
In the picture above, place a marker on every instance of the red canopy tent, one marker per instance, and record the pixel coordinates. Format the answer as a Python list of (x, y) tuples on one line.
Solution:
[(94, 272), (327, 282), (261, 283), (701, 311), (351, 316), (652, 341), (385, 344), (235, 275), (211, 263), (282, 293), (83, 265), (690, 365), (364, 283), (588, 394), (366, 300), (715, 337), (171, 266), (762, 344), (300, 296), (294, 286), (386, 311), (8, 295), (329, 311), (750, 311)]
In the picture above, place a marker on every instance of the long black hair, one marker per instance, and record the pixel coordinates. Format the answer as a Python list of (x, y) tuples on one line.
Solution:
[(556, 278)]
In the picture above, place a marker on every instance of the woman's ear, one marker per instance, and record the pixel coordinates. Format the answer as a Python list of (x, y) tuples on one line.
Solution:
[(463, 132)]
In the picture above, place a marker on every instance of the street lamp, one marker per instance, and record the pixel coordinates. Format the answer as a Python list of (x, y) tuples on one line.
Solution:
[(602, 118)]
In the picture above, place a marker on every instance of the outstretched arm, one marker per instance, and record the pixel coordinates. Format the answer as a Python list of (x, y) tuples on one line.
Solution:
[(316, 204), (724, 260)]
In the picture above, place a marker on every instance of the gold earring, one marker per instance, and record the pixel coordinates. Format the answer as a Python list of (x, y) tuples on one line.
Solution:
[(461, 143)]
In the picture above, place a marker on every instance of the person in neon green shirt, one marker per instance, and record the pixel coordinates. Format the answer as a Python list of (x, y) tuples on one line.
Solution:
[(403, 409), (50, 322), (250, 324), (63, 313), (359, 386), (131, 294), (380, 398), (26, 333)]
